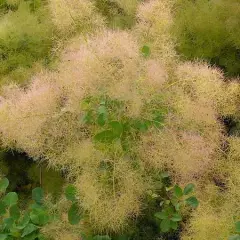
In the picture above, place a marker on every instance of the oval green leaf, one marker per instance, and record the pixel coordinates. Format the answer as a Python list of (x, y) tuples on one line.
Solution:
[(101, 120), (106, 136), (161, 215), (3, 236), (4, 184), (39, 217), (165, 225), (29, 229), (237, 226), (177, 191), (188, 189), (2, 208), (146, 51), (14, 212), (192, 201), (117, 128), (10, 199), (176, 217), (234, 237), (174, 225), (70, 193), (37, 195), (8, 222), (23, 222), (73, 214)]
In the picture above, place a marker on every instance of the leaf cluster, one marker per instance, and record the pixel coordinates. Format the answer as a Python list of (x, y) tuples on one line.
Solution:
[(17, 224), (171, 204)]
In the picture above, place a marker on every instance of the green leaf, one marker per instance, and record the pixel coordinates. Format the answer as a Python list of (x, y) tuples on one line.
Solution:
[(234, 237), (146, 51), (177, 206), (122, 237), (32, 236), (237, 226), (106, 136), (39, 217), (37, 195), (174, 225), (98, 237), (188, 189), (170, 210), (23, 222), (87, 118), (177, 191), (117, 128), (14, 212), (41, 237), (29, 229), (161, 215), (192, 201), (3, 236), (70, 193), (142, 126), (10, 199), (4, 184), (101, 120), (8, 222), (3, 208), (176, 217), (73, 214), (165, 225), (15, 232)]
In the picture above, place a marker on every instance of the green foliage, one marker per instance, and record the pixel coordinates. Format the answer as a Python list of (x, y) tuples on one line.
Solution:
[(115, 14), (175, 198), (74, 213), (52, 180), (108, 115), (25, 37), (146, 51), (237, 231), (4, 184), (209, 30), (16, 224)]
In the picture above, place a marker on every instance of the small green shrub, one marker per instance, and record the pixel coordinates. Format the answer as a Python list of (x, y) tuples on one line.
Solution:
[(176, 198), (116, 16), (209, 30), (17, 224)]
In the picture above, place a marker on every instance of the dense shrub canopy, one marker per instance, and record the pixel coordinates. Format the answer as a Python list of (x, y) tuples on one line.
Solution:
[(114, 115)]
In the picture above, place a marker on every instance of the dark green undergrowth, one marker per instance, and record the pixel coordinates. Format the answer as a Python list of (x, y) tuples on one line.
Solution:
[(24, 174), (115, 15), (209, 30)]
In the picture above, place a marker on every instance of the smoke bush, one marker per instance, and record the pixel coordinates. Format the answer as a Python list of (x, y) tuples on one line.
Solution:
[(74, 16), (111, 117)]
